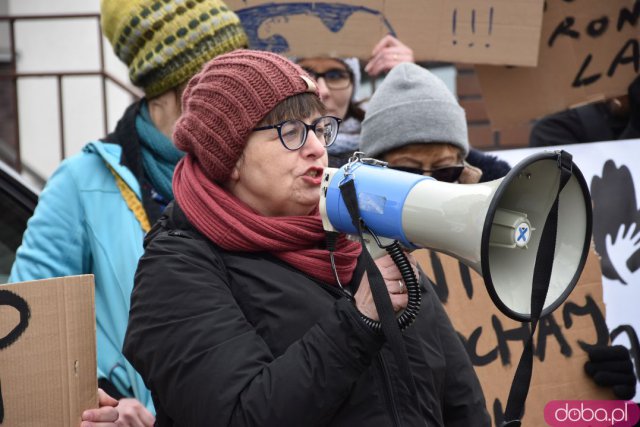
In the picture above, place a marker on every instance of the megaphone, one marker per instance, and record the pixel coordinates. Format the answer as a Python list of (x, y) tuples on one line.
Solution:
[(494, 227)]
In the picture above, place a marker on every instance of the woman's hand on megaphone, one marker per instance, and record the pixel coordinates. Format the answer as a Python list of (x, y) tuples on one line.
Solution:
[(395, 286), (470, 174)]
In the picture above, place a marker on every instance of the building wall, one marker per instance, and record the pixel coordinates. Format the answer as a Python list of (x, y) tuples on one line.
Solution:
[(7, 140), (62, 45), (7, 129), (481, 135)]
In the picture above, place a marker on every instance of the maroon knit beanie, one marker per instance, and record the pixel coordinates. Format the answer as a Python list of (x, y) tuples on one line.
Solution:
[(227, 99)]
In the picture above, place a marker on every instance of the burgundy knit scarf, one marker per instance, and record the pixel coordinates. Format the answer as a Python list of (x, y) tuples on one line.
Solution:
[(234, 226)]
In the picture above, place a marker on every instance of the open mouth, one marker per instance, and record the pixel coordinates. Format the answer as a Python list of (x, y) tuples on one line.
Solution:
[(314, 172)]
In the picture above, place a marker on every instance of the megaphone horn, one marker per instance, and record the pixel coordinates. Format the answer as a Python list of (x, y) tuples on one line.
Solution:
[(492, 227)]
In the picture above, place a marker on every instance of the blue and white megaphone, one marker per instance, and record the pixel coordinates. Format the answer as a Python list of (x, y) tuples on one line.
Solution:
[(494, 227)]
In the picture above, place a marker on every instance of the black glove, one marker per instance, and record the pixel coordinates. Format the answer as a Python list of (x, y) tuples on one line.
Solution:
[(610, 366)]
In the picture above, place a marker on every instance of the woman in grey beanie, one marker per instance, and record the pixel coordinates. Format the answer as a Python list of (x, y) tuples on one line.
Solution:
[(415, 123)]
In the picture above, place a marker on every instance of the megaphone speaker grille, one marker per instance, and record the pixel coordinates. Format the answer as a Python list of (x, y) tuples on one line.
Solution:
[(531, 188)]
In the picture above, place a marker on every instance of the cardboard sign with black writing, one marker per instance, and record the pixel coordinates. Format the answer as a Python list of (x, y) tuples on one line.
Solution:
[(495, 342), (589, 51), (47, 352), (476, 31)]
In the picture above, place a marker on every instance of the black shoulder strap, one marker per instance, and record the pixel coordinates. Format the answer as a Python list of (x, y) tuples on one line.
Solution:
[(379, 291), (541, 278)]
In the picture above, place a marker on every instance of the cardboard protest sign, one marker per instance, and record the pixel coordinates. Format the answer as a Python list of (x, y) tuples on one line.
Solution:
[(47, 352), (589, 51), (475, 31), (495, 343)]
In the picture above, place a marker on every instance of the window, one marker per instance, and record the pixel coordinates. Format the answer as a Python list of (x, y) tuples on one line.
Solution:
[(17, 202)]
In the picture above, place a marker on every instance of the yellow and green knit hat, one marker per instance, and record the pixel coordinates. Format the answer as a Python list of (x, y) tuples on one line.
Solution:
[(165, 42)]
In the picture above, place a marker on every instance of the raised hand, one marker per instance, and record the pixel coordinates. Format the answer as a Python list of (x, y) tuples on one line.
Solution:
[(610, 366), (388, 53), (620, 249)]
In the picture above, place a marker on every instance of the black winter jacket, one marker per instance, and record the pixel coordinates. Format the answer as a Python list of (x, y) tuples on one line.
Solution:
[(243, 339)]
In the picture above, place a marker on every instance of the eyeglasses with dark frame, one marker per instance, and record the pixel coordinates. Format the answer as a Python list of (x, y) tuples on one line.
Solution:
[(443, 174), (334, 78), (293, 133)]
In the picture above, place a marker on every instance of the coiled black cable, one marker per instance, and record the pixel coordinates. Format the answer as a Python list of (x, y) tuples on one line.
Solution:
[(410, 313)]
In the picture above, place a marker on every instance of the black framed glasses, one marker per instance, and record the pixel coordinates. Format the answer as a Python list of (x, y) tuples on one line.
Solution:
[(444, 174), (334, 78), (293, 133)]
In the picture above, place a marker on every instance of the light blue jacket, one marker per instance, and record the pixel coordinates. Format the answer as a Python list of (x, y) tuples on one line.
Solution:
[(82, 225)]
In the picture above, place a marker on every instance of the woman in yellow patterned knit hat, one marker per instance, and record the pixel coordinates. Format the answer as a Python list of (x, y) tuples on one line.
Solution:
[(164, 43), (97, 207)]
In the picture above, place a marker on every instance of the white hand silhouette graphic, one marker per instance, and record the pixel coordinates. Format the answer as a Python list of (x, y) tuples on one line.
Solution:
[(626, 243)]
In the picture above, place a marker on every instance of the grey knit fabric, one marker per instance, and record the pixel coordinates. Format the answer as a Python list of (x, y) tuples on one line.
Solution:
[(412, 106)]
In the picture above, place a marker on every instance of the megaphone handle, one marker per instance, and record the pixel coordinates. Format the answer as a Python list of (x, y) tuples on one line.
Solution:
[(374, 248), (377, 248), (409, 314)]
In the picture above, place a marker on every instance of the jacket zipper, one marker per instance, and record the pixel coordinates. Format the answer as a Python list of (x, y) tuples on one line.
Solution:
[(385, 372), (388, 392), (337, 291)]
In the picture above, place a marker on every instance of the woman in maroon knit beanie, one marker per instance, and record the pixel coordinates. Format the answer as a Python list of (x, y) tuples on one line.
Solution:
[(238, 316)]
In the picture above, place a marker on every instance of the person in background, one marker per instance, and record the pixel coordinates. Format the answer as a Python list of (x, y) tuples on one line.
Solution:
[(93, 214), (414, 123), (613, 119), (338, 80), (238, 313), (633, 125), (434, 142)]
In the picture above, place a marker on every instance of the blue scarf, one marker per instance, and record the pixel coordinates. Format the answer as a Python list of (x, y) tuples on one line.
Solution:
[(159, 155)]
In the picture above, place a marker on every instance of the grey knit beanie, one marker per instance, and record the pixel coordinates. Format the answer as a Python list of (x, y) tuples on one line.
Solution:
[(412, 106)]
